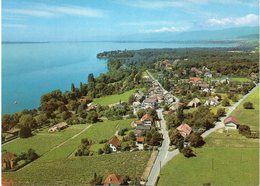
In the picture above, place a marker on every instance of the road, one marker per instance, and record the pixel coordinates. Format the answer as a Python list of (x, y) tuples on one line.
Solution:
[(164, 155), (163, 151), (164, 91)]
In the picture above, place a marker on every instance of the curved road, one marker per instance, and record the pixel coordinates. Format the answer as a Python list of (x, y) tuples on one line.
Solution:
[(164, 155)]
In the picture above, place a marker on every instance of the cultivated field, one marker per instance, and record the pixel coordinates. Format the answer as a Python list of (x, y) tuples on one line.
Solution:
[(226, 159), (249, 117), (80, 171), (43, 141)]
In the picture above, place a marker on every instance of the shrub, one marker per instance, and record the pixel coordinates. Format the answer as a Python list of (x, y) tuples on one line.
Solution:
[(244, 130), (25, 132), (225, 102), (196, 140), (248, 105), (187, 152)]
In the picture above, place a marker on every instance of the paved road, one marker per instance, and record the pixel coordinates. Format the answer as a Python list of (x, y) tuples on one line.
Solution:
[(164, 91), (163, 150), (164, 155)]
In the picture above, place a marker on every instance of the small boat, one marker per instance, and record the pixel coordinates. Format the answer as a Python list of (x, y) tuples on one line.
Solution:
[(15, 102)]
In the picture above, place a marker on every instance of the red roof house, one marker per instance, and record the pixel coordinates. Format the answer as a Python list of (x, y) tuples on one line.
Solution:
[(195, 79), (114, 143), (184, 129), (114, 179), (230, 119)]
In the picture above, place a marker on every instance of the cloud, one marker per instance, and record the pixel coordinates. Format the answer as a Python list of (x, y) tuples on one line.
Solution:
[(246, 20), (147, 23), (56, 11), (165, 29)]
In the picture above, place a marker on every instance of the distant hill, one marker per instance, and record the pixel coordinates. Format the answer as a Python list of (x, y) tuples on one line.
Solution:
[(225, 34)]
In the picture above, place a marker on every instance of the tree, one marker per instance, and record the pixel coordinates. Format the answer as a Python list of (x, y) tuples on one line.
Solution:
[(131, 99), (25, 131), (72, 87), (153, 113), (220, 112), (187, 152), (196, 140), (32, 155), (248, 105), (106, 149), (176, 138), (244, 130), (92, 117), (27, 120), (225, 102), (132, 135), (140, 113)]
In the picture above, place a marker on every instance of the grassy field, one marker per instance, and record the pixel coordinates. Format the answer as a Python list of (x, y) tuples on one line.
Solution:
[(240, 79), (107, 100), (79, 171), (42, 141), (225, 160), (98, 131), (249, 117)]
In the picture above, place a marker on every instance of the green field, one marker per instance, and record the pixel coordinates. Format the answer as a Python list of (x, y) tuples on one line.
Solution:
[(240, 79), (79, 171), (42, 141), (107, 100), (225, 160), (249, 117), (98, 131)]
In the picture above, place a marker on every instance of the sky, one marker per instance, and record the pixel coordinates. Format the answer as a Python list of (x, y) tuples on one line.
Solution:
[(78, 20)]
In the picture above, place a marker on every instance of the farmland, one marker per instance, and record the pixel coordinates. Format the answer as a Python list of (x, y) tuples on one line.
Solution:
[(42, 141), (231, 157), (79, 171), (249, 117), (107, 100)]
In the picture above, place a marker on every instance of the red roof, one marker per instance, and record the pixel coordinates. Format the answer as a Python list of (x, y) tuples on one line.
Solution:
[(115, 141), (114, 179), (230, 119), (184, 129), (147, 117), (138, 122), (195, 79), (140, 139)]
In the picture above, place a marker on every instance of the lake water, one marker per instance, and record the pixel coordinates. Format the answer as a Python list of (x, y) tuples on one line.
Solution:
[(30, 70)]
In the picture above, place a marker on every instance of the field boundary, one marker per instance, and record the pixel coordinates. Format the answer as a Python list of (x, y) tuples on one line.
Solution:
[(149, 165)]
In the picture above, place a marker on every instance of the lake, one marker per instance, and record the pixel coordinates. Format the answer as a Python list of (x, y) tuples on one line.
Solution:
[(30, 70)]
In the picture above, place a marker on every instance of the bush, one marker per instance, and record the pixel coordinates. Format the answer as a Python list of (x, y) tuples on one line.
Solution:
[(196, 140), (248, 105), (244, 130), (187, 152), (100, 151), (25, 132), (225, 102)]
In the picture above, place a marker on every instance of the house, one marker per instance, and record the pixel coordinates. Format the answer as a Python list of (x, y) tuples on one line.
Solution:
[(231, 123), (58, 127), (143, 127), (114, 179), (150, 102), (208, 75), (194, 103), (147, 119), (138, 133), (8, 160), (139, 95), (14, 131), (232, 90), (184, 129), (140, 140), (114, 143), (212, 102), (136, 123), (204, 85), (136, 104), (195, 80)]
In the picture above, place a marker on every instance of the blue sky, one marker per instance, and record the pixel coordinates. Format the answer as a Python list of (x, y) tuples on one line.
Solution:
[(70, 20)]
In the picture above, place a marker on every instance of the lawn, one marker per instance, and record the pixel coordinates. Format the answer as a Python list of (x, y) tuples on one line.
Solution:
[(249, 117), (225, 160), (240, 79), (112, 99), (80, 171), (42, 141), (98, 131)]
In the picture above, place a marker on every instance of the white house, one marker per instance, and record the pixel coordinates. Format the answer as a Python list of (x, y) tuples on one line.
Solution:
[(230, 123), (114, 144)]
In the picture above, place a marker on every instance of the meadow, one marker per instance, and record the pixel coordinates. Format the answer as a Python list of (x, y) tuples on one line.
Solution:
[(112, 99), (226, 159), (42, 141), (249, 117)]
